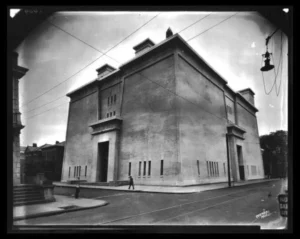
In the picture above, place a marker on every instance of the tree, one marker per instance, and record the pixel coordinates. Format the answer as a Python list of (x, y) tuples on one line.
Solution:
[(275, 153)]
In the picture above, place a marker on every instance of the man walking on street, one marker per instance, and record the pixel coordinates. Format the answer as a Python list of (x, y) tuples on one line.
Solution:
[(131, 182)]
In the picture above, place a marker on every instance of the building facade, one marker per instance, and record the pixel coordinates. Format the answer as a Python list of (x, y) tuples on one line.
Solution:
[(52, 158), (18, 73), (44, 162), (22, 164), (166, 118)]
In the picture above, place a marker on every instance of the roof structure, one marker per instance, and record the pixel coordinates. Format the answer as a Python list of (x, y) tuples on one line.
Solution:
[(32, 149), (247, 89), (61, 144), (163, 43), (141, 45)]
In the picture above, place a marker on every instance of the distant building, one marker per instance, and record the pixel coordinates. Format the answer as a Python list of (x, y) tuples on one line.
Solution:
[(44, 161), (162, 117), (18, 73), (22, 163), (52, 157), (33, 163)]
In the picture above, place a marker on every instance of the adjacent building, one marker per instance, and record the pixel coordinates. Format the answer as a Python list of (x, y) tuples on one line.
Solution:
[(52, 157), (22, 164), (44, 162), (166, 117), (17, 73)]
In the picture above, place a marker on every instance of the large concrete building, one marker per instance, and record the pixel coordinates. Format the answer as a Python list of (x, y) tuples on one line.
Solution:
[(166, 118), (17, 73)]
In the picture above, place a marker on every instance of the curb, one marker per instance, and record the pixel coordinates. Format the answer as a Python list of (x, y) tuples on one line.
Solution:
[(42, 214), (147, 191)]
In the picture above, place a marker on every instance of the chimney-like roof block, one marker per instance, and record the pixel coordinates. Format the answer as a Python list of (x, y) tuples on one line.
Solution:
[(144, 44), (105, 68), (247, 89)]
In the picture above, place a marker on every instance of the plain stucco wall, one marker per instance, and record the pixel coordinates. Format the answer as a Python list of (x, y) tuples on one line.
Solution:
[(248, 96), (149, 124), (231, 116), (251, 145), (79, 144), (202, 124)]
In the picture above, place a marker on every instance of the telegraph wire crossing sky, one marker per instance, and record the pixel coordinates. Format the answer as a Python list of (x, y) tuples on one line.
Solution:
[(64, 55)]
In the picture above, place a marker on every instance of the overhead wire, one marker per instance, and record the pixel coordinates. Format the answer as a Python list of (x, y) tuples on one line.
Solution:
[(194, 23), (54, 25), (44, 104), (212, 27), (276, 74), (45, 111), (222, 118), (90, 62), (281, 59)]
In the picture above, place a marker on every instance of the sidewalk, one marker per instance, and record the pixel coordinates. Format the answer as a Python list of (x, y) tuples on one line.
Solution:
[(61, 205), (169, 189)]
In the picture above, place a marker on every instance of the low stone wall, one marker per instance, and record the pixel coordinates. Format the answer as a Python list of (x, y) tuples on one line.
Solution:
[(38, 179), (118, 183), (86, 192), (49, 192), (76, 181)]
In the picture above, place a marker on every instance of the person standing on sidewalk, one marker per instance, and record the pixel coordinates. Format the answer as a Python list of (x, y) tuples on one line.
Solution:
[(131, 182)]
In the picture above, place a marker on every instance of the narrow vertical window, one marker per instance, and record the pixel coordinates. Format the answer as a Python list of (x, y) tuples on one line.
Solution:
[(144, 168), (216, 171), (79, 171), (210, 169), (207, 167), (115, 98), (198, 167), (149, 168), (140, 164), (214, 168), (110, 114), (129, 169), (74, 171), (114, 112), (69, 171), (161, 167), (85, 171), (107, 115)]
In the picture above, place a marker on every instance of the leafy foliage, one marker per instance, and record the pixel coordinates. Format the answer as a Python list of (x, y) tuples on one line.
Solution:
[(275, 153)]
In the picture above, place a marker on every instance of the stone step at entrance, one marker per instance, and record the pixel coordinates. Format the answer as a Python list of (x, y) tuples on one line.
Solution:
[(28, 194)]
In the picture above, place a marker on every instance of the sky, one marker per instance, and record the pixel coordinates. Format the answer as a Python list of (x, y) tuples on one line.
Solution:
[(234, 48)]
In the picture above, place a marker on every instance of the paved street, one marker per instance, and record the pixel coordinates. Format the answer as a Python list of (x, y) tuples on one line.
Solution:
[(237, 205)]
